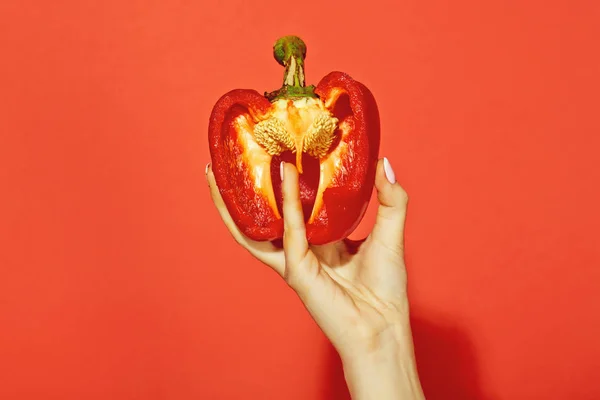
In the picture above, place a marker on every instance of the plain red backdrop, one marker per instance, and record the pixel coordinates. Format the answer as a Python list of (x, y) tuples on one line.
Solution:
[(118, 280)]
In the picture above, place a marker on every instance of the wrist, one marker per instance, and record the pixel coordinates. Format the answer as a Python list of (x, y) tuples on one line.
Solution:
[(387, 370)]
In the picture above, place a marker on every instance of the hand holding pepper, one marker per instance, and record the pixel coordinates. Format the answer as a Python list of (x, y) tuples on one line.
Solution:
[(355, 291)]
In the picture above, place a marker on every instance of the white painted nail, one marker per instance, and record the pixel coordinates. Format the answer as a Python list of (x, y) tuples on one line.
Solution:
[(206, 169), (389, 172), (281, 170)]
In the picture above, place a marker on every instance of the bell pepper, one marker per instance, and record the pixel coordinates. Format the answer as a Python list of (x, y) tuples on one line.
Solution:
[(330, 131)]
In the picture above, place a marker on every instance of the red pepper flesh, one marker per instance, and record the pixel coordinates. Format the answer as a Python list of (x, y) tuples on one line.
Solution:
[(330, 131)]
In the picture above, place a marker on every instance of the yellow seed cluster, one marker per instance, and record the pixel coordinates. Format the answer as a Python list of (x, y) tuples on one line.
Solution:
[(272, 135), (320, 135)]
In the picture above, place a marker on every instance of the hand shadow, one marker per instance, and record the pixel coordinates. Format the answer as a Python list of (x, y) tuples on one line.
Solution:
[(445, 358), (334, 383), (446, 361)]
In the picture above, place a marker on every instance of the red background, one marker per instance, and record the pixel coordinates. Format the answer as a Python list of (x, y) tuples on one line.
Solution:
[(119, 281)]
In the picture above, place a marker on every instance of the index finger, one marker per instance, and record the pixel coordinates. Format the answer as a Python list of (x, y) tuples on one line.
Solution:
[(265, 252)]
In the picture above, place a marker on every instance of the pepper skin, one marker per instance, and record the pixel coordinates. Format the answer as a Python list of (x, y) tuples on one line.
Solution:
[(330, 131)]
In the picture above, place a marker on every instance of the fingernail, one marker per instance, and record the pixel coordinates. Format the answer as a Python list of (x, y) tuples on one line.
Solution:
[(281, 170), (206, 169), (389, 172)]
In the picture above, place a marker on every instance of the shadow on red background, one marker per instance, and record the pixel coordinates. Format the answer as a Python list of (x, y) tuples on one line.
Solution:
[(334, 384), (446, 360)]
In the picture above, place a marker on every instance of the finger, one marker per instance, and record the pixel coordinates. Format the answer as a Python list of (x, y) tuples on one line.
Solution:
[(332, 254), (391, 214), (295, 243), (301, 264), (263, 251)]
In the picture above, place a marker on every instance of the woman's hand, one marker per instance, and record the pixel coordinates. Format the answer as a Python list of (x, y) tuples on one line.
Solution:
[(355, 291)]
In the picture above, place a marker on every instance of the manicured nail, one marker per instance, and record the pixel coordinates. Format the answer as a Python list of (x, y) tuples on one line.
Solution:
[(389, 172), (281, 170), (206, 169)]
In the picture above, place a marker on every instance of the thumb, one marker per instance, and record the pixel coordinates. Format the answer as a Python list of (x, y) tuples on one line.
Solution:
[(391, 214)]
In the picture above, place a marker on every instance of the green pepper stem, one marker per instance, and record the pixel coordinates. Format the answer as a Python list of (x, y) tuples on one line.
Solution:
[(290, 51)]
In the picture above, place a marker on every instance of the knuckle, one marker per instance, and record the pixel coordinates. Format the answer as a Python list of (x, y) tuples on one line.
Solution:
[(290, 276), (239, 239), (287, 237), (401, 195), (386, 214), (293, 231)]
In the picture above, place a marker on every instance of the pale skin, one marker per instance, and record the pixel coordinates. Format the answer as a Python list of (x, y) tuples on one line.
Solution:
[(358, 300)]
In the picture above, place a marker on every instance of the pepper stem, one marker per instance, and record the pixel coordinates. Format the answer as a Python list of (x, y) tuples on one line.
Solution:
[(290, 51)]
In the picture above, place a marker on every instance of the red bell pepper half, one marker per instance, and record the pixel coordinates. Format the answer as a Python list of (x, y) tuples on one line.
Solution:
[(331, 132)]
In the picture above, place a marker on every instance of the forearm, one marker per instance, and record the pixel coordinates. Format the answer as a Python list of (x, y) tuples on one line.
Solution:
[(389, 372)]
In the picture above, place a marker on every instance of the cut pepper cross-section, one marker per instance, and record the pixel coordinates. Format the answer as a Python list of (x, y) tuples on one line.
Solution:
[(330, 132)]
